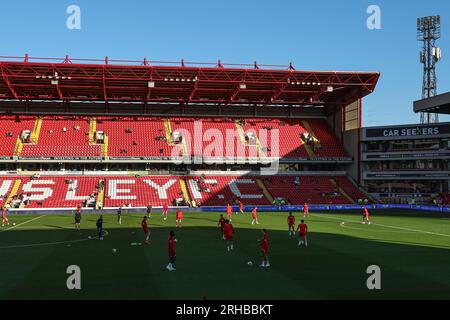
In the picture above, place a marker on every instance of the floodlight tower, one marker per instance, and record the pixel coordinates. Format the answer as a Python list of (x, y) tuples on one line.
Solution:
[(428, 31)]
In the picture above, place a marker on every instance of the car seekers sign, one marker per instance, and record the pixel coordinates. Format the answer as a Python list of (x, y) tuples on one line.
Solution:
[(407, 132)]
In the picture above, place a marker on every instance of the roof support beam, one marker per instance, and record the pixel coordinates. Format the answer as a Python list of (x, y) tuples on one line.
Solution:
[(105, 96), (10, 87)]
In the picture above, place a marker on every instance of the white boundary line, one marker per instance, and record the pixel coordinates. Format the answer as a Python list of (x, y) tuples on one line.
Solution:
[(378, 230), (51, 243), (394, 227), (20, 224)]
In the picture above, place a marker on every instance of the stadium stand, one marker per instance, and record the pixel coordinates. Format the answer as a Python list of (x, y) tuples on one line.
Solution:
[(154, 137), (217, 190), (329, 145), (61, 137), (10, 129), (134, 136), (133, 191), (140, 191)]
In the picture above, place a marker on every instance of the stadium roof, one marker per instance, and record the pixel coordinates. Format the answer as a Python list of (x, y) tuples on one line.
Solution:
[(436, 104), (67, 79)]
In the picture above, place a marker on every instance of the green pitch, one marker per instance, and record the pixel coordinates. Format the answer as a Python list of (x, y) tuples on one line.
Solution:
[(412, 250)]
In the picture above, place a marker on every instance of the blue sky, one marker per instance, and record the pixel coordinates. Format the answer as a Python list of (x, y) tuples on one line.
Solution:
[(314, 35)]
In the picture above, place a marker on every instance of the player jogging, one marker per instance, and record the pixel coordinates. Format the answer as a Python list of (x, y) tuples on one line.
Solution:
[(145, 229), (99, 225), (149, 210), (78, 218), (264, 247), (4, 218), (302, 232), (165, 211), (172, 255), (305, 210), (228, 232), (229, 211), (241, 207), (365, 216), (179, 218), (255, 216), (119, 215), (221, 224), (291, 224)]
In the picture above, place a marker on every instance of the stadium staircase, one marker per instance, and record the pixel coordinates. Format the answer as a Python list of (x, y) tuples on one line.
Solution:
[(185, 191), (101, 195), (18, 148), (240, 132), (14, 189), (168, 131), (264, 190), (34, 136), (342, 191), (311, 132), (92, 129), (104, 146)]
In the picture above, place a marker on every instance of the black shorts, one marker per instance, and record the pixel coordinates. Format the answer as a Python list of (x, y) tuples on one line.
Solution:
[(77, 220)]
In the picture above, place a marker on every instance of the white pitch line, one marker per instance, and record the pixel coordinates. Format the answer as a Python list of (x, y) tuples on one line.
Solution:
[(394, 227), (20, 224), (379, 230), (105, 233)]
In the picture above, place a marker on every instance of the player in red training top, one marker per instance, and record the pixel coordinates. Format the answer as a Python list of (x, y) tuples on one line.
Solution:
[(365, 216), (145, 229), (165, 211), (179, 218), (302, 232), (241, 206), (264, 247), (255, 216), (229, 211), (4, 218), (172, 255), (228, 232), (305, 210), (221, 224), (291, 224)]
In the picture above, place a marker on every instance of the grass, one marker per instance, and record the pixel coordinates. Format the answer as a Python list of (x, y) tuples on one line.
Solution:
[(412, 250)]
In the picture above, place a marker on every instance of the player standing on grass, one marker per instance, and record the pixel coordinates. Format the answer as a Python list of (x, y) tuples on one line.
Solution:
[(264, 247), (172, 255), (255, 216), (302, 232), (291, 224), (165, 211), (229, 211), (221, 224), (99, 225), (228, 232), (365, 216), (149, 210), (145, 229), (179, 218), (4, 218), (305, 210), (119, 215), (78, 218)]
